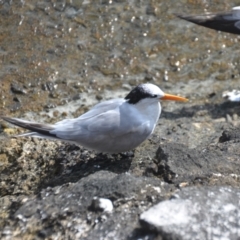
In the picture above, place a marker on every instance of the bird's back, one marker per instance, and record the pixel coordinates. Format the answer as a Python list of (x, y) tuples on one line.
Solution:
[(112, 126)]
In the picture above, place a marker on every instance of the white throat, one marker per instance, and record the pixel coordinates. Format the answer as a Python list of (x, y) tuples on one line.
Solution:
[(150, 111)]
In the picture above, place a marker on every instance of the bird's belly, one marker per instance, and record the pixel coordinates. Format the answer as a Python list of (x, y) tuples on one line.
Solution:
[(117, 144), (129, 142)]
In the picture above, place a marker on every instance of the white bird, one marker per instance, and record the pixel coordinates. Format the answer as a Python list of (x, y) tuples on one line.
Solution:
[(225, 21), (112, 126)]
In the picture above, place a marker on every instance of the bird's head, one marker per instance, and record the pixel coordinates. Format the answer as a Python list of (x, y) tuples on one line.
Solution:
[(150, 93)]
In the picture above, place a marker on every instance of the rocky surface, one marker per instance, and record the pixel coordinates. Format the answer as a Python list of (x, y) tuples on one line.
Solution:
[(69, 207), (58, 58), (177, 163), (196, 213)]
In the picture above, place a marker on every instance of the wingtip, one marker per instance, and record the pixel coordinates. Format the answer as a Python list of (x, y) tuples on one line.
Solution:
[(7, 119), (178, 15), (183, 16), (189, 18), (3, 117)]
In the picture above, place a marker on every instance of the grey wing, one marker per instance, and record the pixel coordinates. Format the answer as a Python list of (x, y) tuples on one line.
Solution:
[(107, 119), (106, 124), (102, 107)]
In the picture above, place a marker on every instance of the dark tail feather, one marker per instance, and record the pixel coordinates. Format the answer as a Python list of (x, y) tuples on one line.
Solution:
[(213, 21), (43, 129)]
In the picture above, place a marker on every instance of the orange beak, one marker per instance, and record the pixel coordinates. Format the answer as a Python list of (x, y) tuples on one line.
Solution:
[(173, 98)]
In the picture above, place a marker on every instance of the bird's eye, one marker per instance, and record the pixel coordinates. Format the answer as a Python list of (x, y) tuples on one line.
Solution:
[(155, 95)]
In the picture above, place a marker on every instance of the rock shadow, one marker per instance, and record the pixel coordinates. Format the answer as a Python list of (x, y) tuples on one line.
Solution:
[(77, 162)]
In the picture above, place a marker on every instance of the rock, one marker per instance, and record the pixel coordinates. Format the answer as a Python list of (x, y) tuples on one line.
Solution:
[(15, 88), (230, 134), (168, 214), (102, 204), (65, 209), (176, 162), (196, 213)]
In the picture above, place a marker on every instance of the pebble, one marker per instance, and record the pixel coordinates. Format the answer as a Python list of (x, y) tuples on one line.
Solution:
[(17, 89), (102, 204), (233, 96)]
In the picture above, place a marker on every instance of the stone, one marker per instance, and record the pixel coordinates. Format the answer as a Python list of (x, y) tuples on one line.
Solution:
[(196, 213)]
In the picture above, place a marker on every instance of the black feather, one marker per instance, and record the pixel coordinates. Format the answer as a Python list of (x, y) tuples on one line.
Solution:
[(214, 21), (138, 93), (43, 129)]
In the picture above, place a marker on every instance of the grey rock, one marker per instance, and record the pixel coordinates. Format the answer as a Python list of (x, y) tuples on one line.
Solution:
[(176, 162), (230, 134), (197, 213), (67, 209), (15, 88)]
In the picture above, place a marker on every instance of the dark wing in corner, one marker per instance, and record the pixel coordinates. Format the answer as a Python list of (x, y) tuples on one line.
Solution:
[(226, 22)]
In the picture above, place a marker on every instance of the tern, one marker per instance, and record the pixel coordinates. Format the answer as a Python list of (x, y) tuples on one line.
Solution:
[(113, 126), (225, 21)]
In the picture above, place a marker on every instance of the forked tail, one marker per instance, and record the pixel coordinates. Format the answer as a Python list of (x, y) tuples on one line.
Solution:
[(38, 129)]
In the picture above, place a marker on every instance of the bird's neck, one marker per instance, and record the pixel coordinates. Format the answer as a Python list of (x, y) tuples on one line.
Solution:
[(150, 111)]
